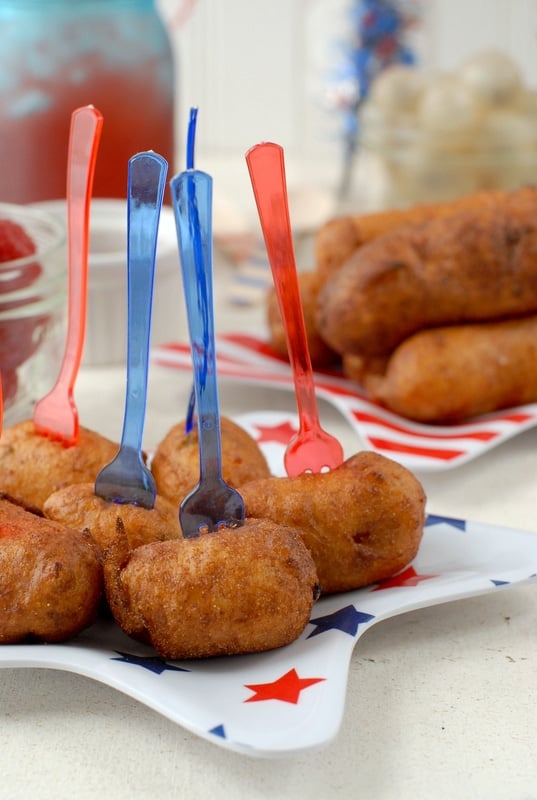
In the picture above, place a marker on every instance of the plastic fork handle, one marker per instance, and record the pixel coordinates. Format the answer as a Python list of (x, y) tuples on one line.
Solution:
[(56, 414), (146, 182), (86, 125), (192, 201), (267, 173)]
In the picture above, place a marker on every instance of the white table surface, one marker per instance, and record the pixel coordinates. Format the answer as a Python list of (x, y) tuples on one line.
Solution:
[(441, 703)]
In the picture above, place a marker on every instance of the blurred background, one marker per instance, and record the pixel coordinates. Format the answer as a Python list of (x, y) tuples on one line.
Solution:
[(277, 70), (298, 72)]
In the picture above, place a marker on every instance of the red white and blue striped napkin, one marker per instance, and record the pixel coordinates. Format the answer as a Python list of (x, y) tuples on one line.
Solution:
[(250, 360)]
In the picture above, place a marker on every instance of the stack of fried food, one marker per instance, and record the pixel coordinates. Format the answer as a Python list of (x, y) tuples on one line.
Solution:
[(431, 309), (64, 551)]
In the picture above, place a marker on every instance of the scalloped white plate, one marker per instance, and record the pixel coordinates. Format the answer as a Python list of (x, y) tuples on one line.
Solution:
[(291, 700)]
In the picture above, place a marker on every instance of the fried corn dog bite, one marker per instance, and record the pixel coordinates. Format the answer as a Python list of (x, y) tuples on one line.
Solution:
[(77, 506), (240, 590), (446, 375), (50, 578), (335, 243), (362, 521), (32, 466), (339, 238), (176, 466), (474, 266)]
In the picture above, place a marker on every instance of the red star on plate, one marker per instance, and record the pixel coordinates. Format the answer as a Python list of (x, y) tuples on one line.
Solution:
[(408, 577), (276, 433), (287, 688)]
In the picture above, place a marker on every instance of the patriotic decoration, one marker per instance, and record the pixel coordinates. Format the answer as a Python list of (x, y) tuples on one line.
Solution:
[(250, 360), (291, 700), (379, 34)]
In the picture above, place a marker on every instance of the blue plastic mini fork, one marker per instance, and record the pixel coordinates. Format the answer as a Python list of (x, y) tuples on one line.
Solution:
[(126, 479), (212, 504)]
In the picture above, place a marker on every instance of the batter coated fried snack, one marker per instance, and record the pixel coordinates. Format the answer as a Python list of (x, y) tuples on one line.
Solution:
[(175, 465), (32, 466), (50, 578), (79, 507), (240, 590), (475, 266), (362, 522), (339, 238), (445, 375)]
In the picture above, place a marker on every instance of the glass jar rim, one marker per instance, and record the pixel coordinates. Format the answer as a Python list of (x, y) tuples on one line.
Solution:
[(21, 214)]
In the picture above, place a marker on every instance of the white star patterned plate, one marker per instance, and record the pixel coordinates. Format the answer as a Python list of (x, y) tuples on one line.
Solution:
[(291, 700)]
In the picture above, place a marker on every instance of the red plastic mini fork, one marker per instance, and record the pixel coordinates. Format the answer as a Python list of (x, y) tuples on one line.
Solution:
[(312, 449), (56, 415)]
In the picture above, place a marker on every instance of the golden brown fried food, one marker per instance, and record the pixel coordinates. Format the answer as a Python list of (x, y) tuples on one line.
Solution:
[(475, 266), (309, 284), (240, 590), (175, 465), (50, 578), (339, 238), (362, 522), (335, 243), (79, 507), (32, 466), (451, 374)]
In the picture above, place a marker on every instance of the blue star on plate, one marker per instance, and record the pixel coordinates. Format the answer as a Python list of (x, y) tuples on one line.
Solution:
[(433, 519), (219, 730), (346, 619), (152, 663)]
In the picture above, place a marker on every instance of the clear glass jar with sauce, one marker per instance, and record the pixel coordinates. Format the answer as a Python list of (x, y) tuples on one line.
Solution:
[(32, 307)]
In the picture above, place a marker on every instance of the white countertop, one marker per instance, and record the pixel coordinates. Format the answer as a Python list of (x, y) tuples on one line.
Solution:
[(440, 701)]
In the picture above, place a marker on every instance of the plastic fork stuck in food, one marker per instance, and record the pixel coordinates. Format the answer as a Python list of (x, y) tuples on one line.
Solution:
[(311, 449), (212, 504), (126, 479), (190, 420), (56, 415)]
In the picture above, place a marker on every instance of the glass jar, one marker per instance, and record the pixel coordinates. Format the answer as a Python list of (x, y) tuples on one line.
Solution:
[(429, 136), (58, 55), (32, 310), (400, 168)]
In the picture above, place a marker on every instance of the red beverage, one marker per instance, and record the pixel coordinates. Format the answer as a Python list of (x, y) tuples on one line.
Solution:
[(59, 55)]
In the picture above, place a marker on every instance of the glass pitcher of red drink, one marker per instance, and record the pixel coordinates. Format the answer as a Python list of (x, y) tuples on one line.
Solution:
[(58, 55)]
